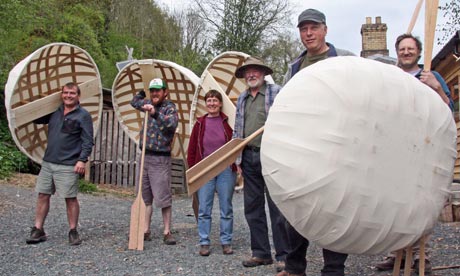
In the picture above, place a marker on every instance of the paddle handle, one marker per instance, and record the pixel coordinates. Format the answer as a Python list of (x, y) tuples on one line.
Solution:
[(414, 17), (431, 12)]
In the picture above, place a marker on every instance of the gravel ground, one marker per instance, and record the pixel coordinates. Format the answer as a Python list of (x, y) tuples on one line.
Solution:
[(104, 227)]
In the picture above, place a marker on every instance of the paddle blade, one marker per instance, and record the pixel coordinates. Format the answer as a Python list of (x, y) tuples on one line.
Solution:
[(214, 164), (136, 226)]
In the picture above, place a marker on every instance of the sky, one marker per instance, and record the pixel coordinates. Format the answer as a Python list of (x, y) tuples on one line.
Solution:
[(345, 18)]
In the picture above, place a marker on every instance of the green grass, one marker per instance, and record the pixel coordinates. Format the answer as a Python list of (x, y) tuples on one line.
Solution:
[(87, 187)]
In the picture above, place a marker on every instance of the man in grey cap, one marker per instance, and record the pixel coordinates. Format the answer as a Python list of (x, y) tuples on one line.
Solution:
[(313, 30)]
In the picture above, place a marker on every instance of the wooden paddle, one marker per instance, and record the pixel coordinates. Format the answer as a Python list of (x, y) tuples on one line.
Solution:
[(216, 162), (414, 17), (431, 13), (137, 222)]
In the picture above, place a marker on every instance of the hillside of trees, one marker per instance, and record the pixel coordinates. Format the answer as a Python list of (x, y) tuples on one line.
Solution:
[(191, 37)]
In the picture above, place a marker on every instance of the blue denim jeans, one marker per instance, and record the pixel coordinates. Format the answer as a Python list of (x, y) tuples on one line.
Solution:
[(224, 184)]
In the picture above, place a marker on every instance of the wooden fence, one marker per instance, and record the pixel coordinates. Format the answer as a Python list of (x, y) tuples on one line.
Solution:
[(114, 157)]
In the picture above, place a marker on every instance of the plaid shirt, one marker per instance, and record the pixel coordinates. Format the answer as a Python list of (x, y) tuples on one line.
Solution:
[(161, 127), (270, 94)]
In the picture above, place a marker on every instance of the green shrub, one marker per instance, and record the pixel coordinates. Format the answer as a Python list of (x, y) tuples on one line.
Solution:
[(11, 159), (86, 187)]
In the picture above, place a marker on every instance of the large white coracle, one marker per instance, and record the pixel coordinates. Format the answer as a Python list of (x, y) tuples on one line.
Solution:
[(358, 155), (34, 89)]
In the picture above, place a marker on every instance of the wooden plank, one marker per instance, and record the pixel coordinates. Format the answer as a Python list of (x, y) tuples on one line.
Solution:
[(120, 156), (115, 123), (103, 146), (97, 156), (216, 162), (39, 108), (109, 145)]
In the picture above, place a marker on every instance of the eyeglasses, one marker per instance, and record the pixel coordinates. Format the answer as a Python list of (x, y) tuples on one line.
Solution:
[(152, 90)]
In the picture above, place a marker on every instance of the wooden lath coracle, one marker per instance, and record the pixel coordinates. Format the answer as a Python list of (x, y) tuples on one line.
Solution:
[(181, 84), (33, 90), (220, 75)]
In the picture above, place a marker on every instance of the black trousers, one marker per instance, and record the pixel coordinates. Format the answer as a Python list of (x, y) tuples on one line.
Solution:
[(296, 263), (254, 211)]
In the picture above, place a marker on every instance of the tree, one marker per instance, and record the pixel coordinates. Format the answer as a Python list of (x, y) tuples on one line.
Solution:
[(279, 52), (241, 25), (451, 11)]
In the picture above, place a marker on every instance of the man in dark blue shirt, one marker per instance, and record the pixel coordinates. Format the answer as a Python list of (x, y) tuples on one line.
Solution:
[(70, 141)]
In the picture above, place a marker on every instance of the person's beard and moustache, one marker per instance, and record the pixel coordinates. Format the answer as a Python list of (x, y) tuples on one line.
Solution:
[(254, 82)]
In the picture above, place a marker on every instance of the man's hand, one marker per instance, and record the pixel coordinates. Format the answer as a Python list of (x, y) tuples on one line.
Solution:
[(149, 108), (429, 79), (79, 167)]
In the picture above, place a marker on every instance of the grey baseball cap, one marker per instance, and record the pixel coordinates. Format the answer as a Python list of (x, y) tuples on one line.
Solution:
[(311, 15)]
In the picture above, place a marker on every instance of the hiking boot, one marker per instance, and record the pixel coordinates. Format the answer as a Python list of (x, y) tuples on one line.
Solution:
[(388, 264), (227, 249), (74, 238), (36, 236), (147, 236), (428, 268), (255, 261), (168, 239), (204, 250)]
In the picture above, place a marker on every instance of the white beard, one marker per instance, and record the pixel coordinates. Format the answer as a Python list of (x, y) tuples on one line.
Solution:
[(254, 83)]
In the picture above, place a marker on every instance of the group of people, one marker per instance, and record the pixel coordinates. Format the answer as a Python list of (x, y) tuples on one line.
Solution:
[(72, 125)]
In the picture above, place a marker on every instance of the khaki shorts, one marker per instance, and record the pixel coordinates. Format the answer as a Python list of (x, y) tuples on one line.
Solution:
[(57, 178), (156, 181)]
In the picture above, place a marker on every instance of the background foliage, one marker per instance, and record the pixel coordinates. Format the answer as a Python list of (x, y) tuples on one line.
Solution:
[(191, 38)]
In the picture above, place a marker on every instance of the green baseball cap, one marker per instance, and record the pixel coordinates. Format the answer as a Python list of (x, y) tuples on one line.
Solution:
[(157, 83)]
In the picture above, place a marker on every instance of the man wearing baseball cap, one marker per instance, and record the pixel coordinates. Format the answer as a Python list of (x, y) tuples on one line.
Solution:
[(313, 30), (156, 179)]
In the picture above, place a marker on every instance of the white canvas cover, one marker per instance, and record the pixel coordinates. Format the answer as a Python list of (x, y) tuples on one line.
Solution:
[(34, 88), (358, 155)]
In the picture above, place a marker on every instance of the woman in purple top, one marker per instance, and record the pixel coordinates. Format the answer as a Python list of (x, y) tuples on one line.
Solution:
[(209, 133)]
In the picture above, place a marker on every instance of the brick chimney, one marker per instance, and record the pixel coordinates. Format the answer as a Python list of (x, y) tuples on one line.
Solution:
[(374, 37)]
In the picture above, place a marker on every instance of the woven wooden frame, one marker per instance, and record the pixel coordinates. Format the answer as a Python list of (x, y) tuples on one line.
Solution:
[(220, 75), (33, 90), (181, 83)]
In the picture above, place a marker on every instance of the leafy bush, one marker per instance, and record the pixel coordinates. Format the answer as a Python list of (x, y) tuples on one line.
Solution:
[(86, 187), (11, 159)]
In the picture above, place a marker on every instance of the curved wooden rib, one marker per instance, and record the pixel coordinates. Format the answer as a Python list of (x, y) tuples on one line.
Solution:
[(33, 90), (181, 84)]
